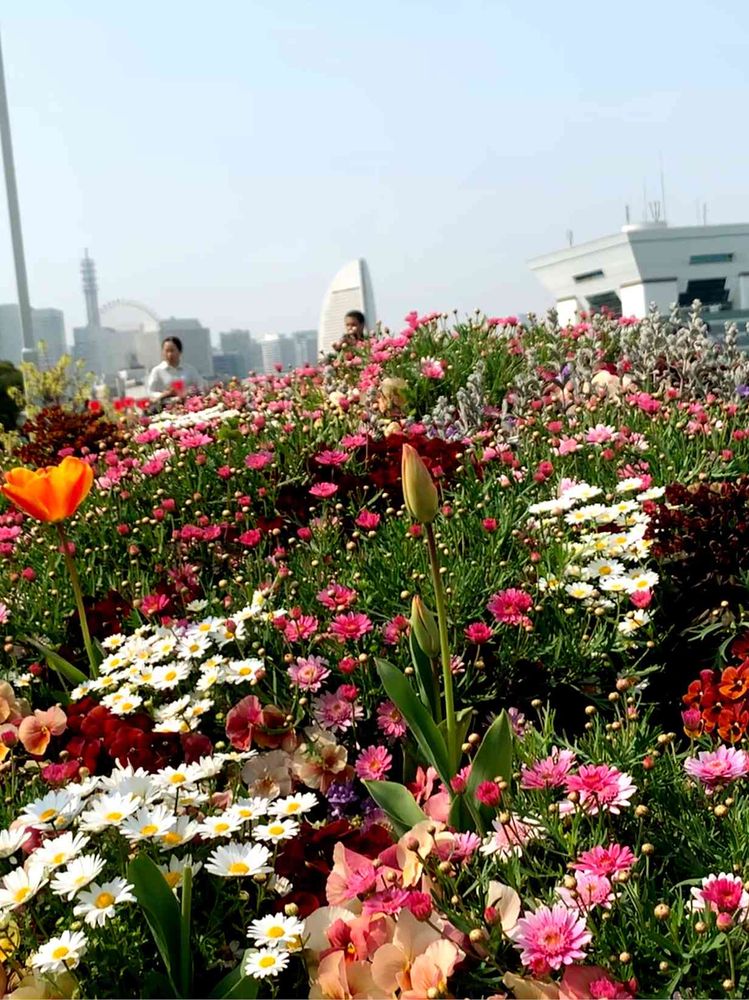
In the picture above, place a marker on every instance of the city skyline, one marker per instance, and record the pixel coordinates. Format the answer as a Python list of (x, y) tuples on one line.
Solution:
[(226, 167)]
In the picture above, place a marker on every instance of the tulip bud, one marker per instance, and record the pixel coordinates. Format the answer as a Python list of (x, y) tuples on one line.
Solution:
[(419, 490), (424, 627)]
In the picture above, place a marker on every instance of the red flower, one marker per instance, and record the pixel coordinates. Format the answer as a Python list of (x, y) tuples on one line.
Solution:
[(242, 720)]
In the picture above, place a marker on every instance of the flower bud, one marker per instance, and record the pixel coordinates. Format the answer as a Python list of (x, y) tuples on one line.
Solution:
[(424, 627), (419, 490)]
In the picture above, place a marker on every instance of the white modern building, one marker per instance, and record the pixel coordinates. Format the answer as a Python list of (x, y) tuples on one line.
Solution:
[(651, 262), (350, 289), (48, 326)]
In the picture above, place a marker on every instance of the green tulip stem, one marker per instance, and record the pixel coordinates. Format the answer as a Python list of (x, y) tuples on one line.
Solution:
[(447, 674), (78, 594)]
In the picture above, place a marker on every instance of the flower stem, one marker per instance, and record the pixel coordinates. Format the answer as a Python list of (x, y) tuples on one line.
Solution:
[(78, 594), (447, 674)]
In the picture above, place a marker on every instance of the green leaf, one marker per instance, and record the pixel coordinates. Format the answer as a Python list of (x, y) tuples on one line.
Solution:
[(493, 759), (398, 803), (236, 986), (162, 913), (463, 721), (424, 673), (420, 722), (460, 815), (58, 663)]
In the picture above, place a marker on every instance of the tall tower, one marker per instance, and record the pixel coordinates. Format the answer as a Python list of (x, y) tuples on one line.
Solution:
[(90, 291)]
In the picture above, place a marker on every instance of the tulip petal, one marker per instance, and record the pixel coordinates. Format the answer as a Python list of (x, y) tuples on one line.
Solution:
[(50, 494)]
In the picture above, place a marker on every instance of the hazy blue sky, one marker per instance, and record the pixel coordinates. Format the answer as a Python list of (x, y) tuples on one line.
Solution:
[(222, 159)]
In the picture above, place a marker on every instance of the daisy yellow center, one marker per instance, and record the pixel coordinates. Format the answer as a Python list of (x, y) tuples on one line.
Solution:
[(292, 807), (238, 868), (47, 815), (172, 879), (276, 829), (127, 705), (170, 675), (172, 838), (178, 778), (605, 571), (103, 900), (59, 858), (267, 962), (21, 894), (113, 817), (62, 951), (275, 932), (221, 827), (149, 829)]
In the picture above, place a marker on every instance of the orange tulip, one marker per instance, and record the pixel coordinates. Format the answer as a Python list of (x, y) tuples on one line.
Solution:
[(50, 494)]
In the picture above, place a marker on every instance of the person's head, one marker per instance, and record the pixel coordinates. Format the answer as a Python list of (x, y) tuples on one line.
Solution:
[(354, 323), (171, 350)]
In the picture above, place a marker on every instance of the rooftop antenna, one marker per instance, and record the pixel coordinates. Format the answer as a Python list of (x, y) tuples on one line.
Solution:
[(626, 213), (704, 213), (655, 210), (570, 237), (663, 188)]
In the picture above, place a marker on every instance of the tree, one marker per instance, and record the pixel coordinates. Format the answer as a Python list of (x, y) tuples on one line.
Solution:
[(10, 377)]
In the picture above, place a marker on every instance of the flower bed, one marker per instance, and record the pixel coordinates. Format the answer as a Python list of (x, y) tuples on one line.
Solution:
[(422, 673)]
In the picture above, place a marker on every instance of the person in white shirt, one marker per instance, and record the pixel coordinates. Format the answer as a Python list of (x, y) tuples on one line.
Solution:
[(171, 378)]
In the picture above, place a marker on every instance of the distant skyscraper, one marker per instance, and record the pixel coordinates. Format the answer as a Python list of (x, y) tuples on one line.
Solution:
[(196, 342), (47, 325), (229, 364), (306, 347), (271, 349), (350, 289), (90, 291)]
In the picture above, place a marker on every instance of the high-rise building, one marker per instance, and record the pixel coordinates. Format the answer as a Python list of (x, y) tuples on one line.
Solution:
[(48, 326), (350, 289), (271, 348), (228, 364), (306, 347), (196, 342)]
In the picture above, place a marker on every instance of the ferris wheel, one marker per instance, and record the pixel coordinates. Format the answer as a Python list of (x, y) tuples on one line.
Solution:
[(128, 314)]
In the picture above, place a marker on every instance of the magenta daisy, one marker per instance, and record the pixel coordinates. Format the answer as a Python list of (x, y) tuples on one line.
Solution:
[(590, 890), (550, 937), (601, 787), (509, 606), (373, 764), (350, 626), (390, 721), (605, 860), (722, 894), (551, 772), (715, 768), (308, 672), (335, 712), (323, 490)]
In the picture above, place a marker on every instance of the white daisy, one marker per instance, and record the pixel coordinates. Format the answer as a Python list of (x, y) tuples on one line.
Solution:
[(275, 930), (60, 850), (223, 825), (239, 860), (194, 646), (169, 675), (109, 810), (184, 830), (11, 840), (277, 830), (248, 671), (55, 810), (96, 905), (122, 702), (175, 870), (293, 805), (148, 823), (80, 872), (266, 962), (580, 591), (60, 953), (252, 808), (19, 886)]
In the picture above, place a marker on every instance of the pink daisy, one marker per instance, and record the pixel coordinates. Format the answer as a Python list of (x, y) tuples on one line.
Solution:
[(350, 626), (510, 838), (258, 460), (329, 457), (323, 490), (300, 628), (550, 937), (309, 672), (336, 597), (373, 764), (605, 860), (551, 772), (722, 894), (335, 712), (590, 890), (368, 520), (509, 606), (715, 768), (477, 632), (432, 368), (395, 629), (390, 721), (601, 787)]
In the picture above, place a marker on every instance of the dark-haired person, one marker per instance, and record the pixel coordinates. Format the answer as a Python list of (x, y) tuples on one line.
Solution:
[(355, 329), (172, 377)]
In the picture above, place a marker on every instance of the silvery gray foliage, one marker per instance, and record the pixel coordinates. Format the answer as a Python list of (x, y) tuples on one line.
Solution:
[(463, 417)]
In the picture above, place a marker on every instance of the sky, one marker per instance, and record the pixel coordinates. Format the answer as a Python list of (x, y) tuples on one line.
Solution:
[(223, 160)]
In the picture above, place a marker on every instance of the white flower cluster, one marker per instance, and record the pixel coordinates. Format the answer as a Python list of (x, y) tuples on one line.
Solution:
[(174, 670), (162, 813), (608, 556), (167, 421)]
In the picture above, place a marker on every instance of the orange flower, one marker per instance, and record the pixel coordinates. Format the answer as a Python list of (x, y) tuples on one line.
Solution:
[(50, 494), (37, 730)]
